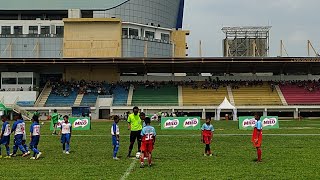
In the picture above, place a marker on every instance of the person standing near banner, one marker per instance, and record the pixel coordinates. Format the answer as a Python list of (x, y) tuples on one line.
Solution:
[(135, 125), (36, 113), (257, 136), (54, 119)]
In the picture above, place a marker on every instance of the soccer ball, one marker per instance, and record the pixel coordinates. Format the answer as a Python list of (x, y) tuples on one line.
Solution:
[(138, 155), (42, 123)]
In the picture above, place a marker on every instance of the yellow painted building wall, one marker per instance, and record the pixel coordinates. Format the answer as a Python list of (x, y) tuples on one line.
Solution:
[(92, 37), (179, 39), (107, 73)]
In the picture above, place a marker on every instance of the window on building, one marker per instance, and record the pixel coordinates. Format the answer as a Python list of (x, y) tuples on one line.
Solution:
[(124, 31), (149, 34), (6, 30), (33, 29), (165, 37), (133, 32), (25, 80), (60, 30), (45, 29), (9, 80), (17, 30)]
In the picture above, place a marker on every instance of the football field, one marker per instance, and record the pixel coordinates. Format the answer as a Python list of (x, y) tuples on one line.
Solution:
[(291, 152)]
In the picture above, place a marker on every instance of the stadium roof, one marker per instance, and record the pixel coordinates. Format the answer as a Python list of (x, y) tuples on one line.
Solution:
[(59, 4), (277, 65)]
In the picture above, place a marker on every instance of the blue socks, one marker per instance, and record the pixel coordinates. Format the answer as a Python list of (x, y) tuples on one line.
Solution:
[(115, 150)]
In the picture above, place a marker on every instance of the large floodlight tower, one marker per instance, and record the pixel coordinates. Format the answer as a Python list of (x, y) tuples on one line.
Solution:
[(247, 41)]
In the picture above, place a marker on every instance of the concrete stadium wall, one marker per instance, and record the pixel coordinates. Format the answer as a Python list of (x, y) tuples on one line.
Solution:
[(10, 97)]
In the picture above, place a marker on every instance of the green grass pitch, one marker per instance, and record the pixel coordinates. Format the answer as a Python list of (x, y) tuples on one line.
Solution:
[(291, 152)]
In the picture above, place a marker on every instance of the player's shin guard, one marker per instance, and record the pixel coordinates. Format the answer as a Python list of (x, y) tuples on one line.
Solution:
[(35, 150), (115, 150), (259, 154), (15, 149), (209, 149), (142, 158), (8, 150), (22, 149), (149, 158), (26, 147), (67, 147)]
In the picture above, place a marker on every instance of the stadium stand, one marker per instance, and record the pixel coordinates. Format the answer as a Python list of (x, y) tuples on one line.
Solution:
[(55, 100), (120, 95), (155, 96), (301, 93), (207, 93), (255, 94), (89, 99), (194, 97)]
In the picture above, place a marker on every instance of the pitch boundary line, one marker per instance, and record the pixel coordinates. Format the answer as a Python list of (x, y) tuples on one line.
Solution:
[(188, 135), (128, 171)]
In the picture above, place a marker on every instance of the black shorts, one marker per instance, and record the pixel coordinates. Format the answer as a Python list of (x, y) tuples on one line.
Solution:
[(135, 135)]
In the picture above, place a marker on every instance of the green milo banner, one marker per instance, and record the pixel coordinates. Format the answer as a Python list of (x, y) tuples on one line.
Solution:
[(268, 122), (180, 123), (78, 123)]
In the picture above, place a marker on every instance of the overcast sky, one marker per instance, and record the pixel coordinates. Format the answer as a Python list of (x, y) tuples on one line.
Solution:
[(293, 21)]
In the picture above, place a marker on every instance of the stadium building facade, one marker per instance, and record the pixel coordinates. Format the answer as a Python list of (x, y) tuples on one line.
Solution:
[(97, 28)]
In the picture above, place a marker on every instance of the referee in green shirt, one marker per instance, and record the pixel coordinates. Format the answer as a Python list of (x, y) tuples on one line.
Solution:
[(135, 125)]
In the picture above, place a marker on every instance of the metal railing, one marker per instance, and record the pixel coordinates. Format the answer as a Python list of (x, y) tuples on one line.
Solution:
[(146, 39), (31, 36), (25, 114)]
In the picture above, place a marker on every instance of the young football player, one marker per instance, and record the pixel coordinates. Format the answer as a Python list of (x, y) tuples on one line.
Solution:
[(66, 129), (54, 119), (19, 131), (115, 137), (207, 130), (148, 134), (35, 137), (5, 135), (257, 136), (24, 139), (143, 117)]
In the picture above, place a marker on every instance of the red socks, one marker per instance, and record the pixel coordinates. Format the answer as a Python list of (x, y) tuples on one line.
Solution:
[(259, 154)]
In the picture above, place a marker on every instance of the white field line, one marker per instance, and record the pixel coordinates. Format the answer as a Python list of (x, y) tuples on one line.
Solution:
[(128, 171), (188, 135)]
